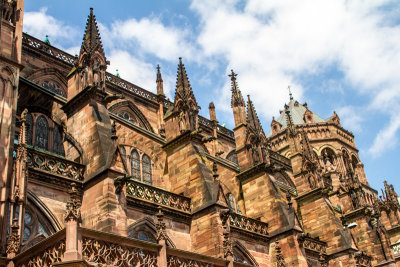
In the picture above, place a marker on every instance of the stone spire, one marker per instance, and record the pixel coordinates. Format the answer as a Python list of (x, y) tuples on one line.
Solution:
[(159, 81), (252, 118), (91, 38), (183, 89), (237, 98)]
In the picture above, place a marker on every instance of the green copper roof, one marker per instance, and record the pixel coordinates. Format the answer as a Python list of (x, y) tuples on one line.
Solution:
[(297, 111)]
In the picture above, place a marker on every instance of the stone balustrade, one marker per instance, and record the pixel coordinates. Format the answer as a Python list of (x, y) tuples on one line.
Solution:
[(181, 258), (247, 224), (48, 49), (53, 164), (396, 249), (157, 196)]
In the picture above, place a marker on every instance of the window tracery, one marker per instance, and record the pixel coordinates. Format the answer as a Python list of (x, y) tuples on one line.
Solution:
[(54, 87), (127, 116), (138, 163), (43, 133), (232, 156)]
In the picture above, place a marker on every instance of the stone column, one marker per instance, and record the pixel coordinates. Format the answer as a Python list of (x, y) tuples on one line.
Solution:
[(73, 242), (161, 236)]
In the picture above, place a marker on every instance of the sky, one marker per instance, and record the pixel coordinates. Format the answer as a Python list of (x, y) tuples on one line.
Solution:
[(340, 55)]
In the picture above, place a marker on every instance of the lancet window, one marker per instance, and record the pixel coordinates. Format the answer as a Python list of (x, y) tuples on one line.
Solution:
[(232, 156), (138, 163), (43, 133)]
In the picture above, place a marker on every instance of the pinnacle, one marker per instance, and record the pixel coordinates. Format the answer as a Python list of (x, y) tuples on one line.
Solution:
[(183, 89), (91, 38), (237, 98), (252, 116)]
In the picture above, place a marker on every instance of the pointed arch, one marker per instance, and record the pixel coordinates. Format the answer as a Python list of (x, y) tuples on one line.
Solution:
[(145, 229), (39, 222), (52, 79), (135, 164), (42, 133), (232, 156), (242, 255), (131, 109)]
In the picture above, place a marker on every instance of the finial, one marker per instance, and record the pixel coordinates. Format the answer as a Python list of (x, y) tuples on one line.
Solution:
[(180, 60), (158, 67), (91, 10), (290, 93), (47, 41), (233, 76), (117, 74)]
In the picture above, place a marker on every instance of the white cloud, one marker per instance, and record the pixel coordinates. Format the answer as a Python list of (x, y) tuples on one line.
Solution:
[(150, 36), (272, 43), (39, 24), (136, 71), (386, 138), (350, 118)]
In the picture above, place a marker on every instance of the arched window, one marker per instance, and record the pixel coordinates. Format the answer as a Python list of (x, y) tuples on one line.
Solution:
[(29, 129), (123, 152), (232, 203), (41, 140), (354, 162), (328, 155), (52, 86), (242, 255), (232, 156), (135, 165), (127, 116), (41, 132), (58, 146), (146, 169)]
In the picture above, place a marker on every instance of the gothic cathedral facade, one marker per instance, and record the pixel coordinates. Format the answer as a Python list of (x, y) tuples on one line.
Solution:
[(97, 171)]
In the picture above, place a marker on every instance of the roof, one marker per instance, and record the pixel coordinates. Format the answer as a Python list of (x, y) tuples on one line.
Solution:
[(297, 111)]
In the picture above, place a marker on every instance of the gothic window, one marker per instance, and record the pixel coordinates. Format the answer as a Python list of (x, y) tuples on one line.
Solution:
[(52, 86), (233, 204), (29, 128), (146, 169), (58, 147), (123, 151), (232, 156), (143, 230), (135, 165), (41, 133), (241, 255), (127, 117), (145, 236)]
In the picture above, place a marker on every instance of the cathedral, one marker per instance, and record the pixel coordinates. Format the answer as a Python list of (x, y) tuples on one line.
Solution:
[(97, 171)]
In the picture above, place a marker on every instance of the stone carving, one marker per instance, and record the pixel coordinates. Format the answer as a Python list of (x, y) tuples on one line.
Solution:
[(362, 259), (13, 241), (73, 212), (48, 257), (175, 261), (157, 195), (280, 259), (248, 224), (161, 233), (102, 252), (46, 162)]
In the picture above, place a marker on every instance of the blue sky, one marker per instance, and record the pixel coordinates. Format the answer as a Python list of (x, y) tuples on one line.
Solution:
[(336, 55)]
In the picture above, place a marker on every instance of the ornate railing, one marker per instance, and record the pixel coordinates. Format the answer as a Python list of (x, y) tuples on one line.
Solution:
[(157, 195), (279, 158), (312, 244), (48, 49), (180, 258), (133, 88), (43, 254), (396, 249), (114, 254), (43, 161), (248, 224), (225, 131), (203, 121)]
